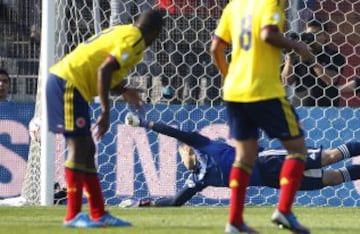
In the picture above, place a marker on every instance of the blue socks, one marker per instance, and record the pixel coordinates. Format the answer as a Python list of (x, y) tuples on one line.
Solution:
[(144, 123)]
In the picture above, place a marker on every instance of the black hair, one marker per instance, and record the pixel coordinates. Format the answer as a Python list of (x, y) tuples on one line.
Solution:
[(319, 23), (151, 20), (4, 72)]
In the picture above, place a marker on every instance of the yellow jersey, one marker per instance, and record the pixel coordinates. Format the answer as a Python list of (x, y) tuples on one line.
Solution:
[(254, 70), (124, 43)]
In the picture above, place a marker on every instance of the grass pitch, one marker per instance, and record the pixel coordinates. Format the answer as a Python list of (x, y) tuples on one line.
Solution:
[(187, 220)]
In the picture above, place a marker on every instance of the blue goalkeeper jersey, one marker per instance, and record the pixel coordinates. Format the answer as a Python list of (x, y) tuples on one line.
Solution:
[(214, 163), (215, 159)]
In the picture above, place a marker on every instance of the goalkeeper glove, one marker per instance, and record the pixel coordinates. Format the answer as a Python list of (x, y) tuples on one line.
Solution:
[(132, 120)]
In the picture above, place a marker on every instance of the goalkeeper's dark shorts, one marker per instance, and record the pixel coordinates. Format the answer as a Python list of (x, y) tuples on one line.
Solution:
[(270, 168)]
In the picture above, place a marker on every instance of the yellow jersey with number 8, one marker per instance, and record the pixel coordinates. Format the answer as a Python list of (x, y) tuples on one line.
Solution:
[(254, 70)]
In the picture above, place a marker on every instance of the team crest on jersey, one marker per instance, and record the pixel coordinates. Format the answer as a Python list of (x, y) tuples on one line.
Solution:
[(80, 122), (125, 56), (276, 17)]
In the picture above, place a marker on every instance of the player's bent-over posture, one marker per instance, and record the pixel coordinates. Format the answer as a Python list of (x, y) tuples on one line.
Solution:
[(210, 164), (95, 68), (255, 99)]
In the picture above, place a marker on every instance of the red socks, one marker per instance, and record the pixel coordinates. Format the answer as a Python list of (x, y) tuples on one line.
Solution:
[(74, 180), (94, 195), (238, 182), (290, 181)]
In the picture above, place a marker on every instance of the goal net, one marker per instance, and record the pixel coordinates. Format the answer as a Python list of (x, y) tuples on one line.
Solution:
[(183, 89)]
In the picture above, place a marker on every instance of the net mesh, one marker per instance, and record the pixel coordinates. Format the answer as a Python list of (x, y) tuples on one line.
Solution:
[(20, 46), (183, 89)]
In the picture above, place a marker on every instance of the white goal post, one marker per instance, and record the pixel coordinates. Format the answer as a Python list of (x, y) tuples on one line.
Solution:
[(47, 59), (47, 138)]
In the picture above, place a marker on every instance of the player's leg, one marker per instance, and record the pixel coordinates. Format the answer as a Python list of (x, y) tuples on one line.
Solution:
[(81, 149), (290, 180), (245, 135), (291, 172), (83, 158), (346, 174), (279, 120), (76, 169), (312, 180), (86, 146), (344, 151), (60, 112)]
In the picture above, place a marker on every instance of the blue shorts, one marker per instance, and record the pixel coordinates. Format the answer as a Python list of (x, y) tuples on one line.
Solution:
[(67, 110), (276, 117)]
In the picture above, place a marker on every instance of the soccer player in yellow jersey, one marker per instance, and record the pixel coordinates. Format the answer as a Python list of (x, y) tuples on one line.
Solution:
[(95, 68), (255, 99)]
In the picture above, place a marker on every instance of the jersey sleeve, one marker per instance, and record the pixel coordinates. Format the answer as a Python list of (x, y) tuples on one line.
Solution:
[(191, 138), (180, 198), (122, 54), (272, 13), (222, 31)]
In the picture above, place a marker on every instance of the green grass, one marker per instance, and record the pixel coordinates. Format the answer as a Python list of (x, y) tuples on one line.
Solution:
[(48, 220)]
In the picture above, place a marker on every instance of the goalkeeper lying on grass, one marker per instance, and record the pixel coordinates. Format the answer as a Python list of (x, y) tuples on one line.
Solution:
[(210, 163)]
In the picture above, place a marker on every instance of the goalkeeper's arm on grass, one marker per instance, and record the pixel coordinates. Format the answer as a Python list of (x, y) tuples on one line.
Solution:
[(180, 198)]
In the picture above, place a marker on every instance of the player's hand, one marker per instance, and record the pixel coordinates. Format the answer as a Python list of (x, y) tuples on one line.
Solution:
[(102, 125), (291, 57), (34, 129), (132, 96), (304, 51), (132, 120)]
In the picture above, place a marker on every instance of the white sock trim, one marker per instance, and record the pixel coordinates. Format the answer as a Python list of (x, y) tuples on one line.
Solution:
[(345, 173), (344, 151)]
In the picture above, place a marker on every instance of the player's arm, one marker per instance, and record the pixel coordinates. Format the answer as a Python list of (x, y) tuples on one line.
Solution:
[(351, 86), (104, 76), (287, 74), (329, 74), (272, 35), (217, 51), (180, 198), (104, 81), (221, 40), (130, 95), (118, 89), (189, 138)]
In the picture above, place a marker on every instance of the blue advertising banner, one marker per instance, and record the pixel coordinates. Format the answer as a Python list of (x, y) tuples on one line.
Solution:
[(14, 145), (134, 162)]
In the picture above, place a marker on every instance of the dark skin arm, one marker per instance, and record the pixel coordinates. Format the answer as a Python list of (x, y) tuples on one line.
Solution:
[(328, 76), (218, 56), (275, 38), (287, 73), (270, 35), (131, 95), (103, 83)]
